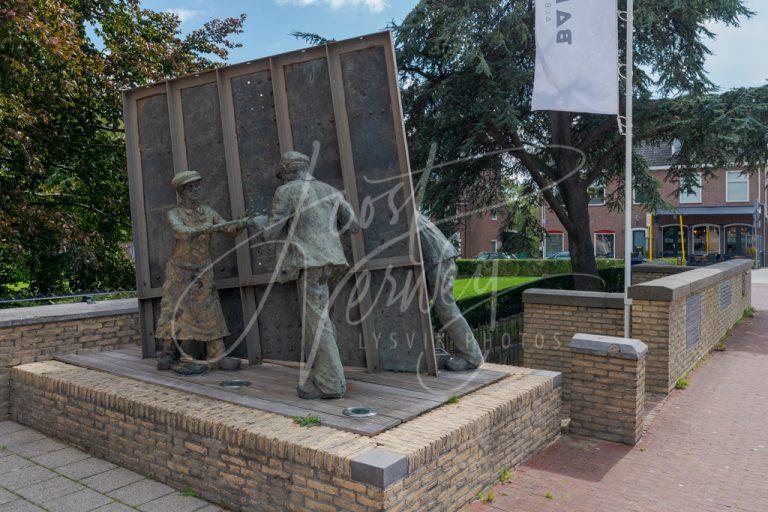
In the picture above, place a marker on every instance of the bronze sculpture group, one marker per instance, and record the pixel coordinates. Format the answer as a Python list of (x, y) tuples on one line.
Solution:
[(309, 216)]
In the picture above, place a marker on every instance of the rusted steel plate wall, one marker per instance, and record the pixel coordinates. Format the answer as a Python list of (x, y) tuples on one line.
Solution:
[(232, 125)]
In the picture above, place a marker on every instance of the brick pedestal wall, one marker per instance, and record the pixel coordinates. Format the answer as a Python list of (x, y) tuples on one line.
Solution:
[(37, 333), (552, 317), (683, 317), (251, 460), (607, 387)]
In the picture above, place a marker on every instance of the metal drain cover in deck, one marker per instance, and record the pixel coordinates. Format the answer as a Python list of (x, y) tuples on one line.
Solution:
[(360, 412), (235, 383)]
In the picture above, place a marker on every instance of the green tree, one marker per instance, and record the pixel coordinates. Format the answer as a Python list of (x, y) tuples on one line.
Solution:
[(63, 185), (467, 77)]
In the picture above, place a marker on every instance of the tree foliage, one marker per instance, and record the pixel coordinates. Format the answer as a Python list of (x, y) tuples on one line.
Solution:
[(467, 77), (63, 188)]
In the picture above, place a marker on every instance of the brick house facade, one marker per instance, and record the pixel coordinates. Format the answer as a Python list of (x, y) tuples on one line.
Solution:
[(480, 232), (725, 216)]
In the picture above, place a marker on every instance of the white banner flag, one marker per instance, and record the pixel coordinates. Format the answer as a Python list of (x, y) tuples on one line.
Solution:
[(577, 56)]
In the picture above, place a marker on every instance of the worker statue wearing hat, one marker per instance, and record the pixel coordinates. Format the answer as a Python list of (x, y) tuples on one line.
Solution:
[(309, 215), (190, 310)]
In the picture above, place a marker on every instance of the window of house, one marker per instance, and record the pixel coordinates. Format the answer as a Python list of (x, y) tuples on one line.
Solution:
[(639, 242), (694, 196), (736, 187), (706, 239), (554, 243), (605, 245), (738, 240), (640, 197), (494, 245), (596, 196), (672, 241), (494, 215)]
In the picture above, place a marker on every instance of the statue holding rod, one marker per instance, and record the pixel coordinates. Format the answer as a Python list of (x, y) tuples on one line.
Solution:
[(190, 309), (309, 215)]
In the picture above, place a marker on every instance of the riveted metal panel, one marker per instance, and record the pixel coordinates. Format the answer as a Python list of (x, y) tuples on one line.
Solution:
[(398, 333), (279, 321), (156, 173), (374, 151), (259, 151), (204, 144)]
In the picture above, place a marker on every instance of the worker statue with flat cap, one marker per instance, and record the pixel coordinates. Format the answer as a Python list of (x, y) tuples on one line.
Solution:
[(190, 309), (309, 216)]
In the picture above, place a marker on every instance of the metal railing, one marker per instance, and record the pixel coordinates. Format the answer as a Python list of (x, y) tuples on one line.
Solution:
[(85, 296), (501, 341)]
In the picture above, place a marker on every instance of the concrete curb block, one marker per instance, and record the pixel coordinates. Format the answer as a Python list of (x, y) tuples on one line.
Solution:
[(625, 348), (379, 467), (573, 298)]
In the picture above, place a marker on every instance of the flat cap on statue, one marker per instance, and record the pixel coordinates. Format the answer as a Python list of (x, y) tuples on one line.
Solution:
[(184, 178), (295, 156)]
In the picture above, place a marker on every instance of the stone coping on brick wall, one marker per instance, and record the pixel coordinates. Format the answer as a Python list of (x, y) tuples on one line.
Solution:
[(661, 268), (573, 298), (681, 285), (626, 348), (63, 312), (379, 460)]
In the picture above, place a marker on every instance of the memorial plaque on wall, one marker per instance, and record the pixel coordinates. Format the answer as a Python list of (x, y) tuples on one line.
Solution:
[(232, 125)]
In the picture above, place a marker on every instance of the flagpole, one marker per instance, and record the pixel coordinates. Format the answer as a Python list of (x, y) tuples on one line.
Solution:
[(628, 172)]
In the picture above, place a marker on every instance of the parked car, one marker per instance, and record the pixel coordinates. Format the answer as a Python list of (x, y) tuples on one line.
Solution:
[(564, 255), (496, 256)]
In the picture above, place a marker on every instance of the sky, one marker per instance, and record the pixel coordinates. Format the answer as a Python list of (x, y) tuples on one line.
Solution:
[(739, 54)]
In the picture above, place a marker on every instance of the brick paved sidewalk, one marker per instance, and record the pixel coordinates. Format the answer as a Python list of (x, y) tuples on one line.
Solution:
[(707, 449), (40, 474)]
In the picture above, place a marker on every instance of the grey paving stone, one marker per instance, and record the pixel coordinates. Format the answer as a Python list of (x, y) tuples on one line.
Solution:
[(13, 463), (38, 447), (114, 507), (60, 458), (112, 479), (23, 436), (175, 502), (6, 497), (25, 476), (48, 490), (81, 501), (20, 506), (6, 427), (85, 468), (141, 492), (211, 508)]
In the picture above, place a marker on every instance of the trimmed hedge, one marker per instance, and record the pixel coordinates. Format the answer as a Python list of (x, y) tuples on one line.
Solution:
[(528, 267), (501, 304)]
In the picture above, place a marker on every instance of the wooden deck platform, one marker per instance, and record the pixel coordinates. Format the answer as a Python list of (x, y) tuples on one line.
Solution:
[(398, 397)]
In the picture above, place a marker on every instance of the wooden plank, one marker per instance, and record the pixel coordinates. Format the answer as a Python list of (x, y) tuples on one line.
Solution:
[(94, 363), (273, 386), (393, 398)]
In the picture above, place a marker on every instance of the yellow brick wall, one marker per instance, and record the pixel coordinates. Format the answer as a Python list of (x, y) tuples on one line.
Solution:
[(607, 397), (29, 343), (548, 328), (661, 325)]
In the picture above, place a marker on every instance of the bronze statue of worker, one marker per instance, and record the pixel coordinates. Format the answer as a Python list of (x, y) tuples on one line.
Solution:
[(190, 309), (310, 215), (439, 257)]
